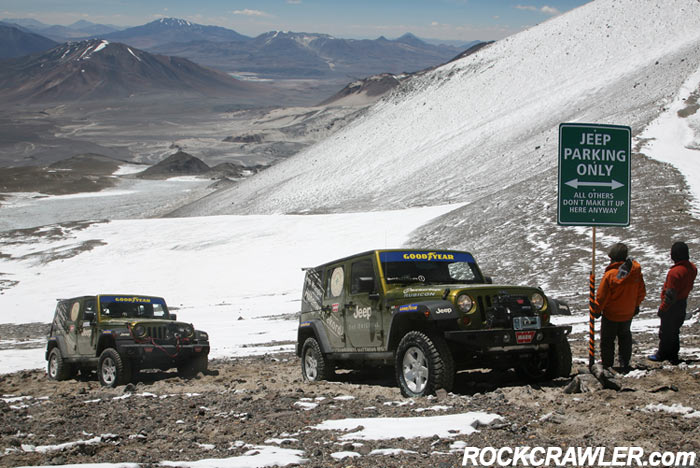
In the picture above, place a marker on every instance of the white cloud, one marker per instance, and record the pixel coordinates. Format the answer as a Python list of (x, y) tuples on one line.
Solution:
[(526, 7), (547, 10), (294, 2), (248, 12)]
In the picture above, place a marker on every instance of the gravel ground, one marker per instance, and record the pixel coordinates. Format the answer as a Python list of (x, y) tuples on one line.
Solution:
[(262, 401)]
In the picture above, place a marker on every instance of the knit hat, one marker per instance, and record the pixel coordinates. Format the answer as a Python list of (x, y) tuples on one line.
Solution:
[(679, 251), (618, 252)]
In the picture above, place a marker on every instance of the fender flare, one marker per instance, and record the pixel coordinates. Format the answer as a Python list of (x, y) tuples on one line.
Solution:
[(317, 331), (425, 313), (56, 341)]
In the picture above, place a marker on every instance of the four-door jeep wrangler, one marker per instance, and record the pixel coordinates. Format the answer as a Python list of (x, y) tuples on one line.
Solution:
[(429, 313), (120, 334)]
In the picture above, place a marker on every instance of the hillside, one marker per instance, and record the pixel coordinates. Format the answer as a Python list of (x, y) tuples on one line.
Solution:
[(494, 115), (483, 131), (98, 69)]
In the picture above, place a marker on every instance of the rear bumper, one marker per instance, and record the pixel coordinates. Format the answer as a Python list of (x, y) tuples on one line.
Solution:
[(505, 340)]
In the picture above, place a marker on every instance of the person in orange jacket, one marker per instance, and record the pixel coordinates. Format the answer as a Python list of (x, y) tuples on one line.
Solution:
[(620, 294), (674, 300)]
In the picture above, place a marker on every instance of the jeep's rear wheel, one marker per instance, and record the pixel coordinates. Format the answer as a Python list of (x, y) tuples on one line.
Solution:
[(423, 365), (315, 365), (58, 369), (112, 370)]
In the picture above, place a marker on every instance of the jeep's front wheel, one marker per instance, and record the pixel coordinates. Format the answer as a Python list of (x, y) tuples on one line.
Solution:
[(193, 366), (556, 363), (58, 369), (315, 365), (423, 365), (112, 370)]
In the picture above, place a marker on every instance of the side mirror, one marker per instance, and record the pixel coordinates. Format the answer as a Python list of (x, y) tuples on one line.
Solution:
[(488, 280), (173, 317)]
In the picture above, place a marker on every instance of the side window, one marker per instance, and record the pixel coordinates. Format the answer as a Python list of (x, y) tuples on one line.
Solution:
[(313, 291), (61, 318), (89, 310), (362, 277), (336, 281)]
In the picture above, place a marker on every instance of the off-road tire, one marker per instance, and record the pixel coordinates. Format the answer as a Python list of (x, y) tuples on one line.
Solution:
[(57, 368), (193, 366), (315, 365), (557, 363), (424, 364), (560, 358), (112, 369)]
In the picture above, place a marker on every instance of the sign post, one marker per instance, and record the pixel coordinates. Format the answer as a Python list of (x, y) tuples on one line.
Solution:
[(594, 186)]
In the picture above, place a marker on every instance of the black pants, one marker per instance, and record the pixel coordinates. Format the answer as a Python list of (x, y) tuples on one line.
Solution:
[(669, 332), (609, 331)]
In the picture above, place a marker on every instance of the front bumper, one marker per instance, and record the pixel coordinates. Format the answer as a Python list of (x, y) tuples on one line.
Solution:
[(162, 354), (505, 340)]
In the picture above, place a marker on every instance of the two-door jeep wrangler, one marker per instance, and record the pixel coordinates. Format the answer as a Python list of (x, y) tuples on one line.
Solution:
[(120, 334), (428, 313)]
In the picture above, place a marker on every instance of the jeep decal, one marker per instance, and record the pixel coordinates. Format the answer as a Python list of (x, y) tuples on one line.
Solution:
[(443, 310), (362, 312)]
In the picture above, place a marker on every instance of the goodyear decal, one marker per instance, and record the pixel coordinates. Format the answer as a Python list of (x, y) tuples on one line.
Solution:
[(305, 324), (132, 299), (427, 256), (408, 308)]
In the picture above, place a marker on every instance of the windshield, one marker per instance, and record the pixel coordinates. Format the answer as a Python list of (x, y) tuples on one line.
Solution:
[(133, 307), (429, 267)]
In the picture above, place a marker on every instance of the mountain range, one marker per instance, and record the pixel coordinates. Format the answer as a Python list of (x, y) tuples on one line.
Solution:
[(98, 69), (17, 42), (275, 54)]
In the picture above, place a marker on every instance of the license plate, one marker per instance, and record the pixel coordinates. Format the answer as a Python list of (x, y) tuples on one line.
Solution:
[(526, 323)]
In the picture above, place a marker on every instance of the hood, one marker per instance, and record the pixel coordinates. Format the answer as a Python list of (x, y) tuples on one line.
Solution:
[(433, 291)]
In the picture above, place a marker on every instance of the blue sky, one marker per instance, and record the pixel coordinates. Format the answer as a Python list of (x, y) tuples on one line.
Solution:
[(440, 19)]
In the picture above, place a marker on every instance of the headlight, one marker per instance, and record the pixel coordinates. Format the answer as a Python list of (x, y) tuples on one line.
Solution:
[(465, 303), (139, 331), (185, 330), (537, 301)]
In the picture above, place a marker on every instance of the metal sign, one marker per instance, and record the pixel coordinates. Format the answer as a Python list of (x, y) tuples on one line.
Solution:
[(594, 175)]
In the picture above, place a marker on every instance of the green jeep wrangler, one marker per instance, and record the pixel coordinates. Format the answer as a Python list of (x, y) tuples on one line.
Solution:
[(120, 334), (427, 313)]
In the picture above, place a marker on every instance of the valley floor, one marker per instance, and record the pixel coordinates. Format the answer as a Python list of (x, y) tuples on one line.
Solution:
[(257, 411)]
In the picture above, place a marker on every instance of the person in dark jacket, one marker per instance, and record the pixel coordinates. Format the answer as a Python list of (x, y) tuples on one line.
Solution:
[(620, 294), (674, 301)]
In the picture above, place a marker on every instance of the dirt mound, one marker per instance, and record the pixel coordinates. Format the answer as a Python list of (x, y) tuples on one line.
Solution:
[(89, 163), (178, 164)]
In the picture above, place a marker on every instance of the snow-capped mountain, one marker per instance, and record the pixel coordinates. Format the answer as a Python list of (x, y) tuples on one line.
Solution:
[(98, 69), (166, 30)]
